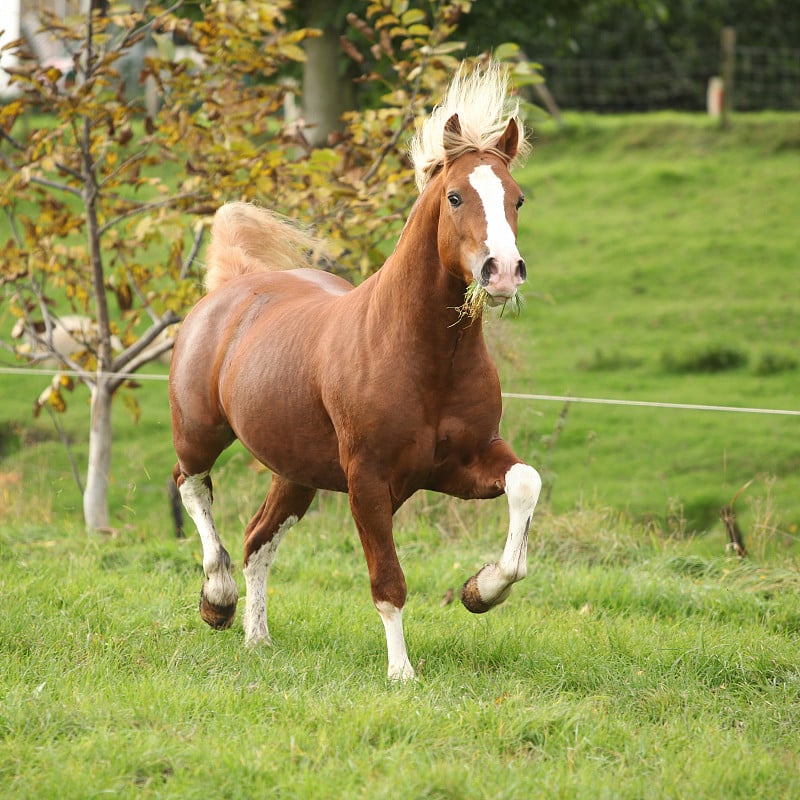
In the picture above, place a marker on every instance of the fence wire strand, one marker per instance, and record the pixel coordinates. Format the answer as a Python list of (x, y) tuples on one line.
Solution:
[(546, 398)]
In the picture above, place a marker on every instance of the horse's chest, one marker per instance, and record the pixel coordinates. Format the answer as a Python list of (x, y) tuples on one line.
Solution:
[(460, 438)]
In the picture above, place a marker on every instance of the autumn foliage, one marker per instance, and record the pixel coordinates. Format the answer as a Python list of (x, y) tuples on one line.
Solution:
[(106, 197)]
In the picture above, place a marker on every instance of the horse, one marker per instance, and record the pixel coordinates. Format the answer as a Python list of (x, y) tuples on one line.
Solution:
[(377, 390)]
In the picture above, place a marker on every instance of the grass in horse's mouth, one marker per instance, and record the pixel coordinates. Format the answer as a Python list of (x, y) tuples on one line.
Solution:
[(476, 298)]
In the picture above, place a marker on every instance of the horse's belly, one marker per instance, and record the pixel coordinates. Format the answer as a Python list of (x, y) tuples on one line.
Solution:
[(274, 408), (300, 455)]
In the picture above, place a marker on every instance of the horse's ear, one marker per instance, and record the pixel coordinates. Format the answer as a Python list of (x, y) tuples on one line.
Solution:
[(508, 142), (452, 133)]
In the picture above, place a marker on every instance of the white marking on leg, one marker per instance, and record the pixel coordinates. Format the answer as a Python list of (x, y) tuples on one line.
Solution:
[(220, 588), (523, 486), (256, 570), (400, 668)]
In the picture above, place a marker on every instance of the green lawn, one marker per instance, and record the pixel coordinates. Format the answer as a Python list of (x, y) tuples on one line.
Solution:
[(638, 659), (659, 248), (623, 667)]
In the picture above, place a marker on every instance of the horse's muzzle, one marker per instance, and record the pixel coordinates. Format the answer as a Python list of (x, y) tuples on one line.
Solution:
[(501, 281)]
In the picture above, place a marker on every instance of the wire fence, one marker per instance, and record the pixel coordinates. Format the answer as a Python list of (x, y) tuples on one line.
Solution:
[(765, 78), (547, 398)]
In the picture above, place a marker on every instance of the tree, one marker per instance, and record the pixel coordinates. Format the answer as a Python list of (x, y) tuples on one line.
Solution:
[(403, 56), (328, 89), (107, 205), (95, 222)]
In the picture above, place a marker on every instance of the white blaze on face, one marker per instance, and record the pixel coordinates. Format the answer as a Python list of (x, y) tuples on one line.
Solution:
[(500, 240)]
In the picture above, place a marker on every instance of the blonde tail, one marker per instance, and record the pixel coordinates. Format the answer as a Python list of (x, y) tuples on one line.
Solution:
[(246, 238)]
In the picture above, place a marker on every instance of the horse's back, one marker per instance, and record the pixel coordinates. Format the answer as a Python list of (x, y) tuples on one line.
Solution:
[(223, 317)]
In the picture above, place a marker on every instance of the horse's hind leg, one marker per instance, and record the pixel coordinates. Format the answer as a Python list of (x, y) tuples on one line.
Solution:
[(219, 593), (285, 504)]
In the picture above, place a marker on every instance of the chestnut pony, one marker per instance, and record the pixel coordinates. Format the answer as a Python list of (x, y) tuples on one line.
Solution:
[(378, 390)]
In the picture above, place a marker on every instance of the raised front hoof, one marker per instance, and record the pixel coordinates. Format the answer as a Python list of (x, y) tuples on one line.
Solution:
[(220, 618), (473, 600)]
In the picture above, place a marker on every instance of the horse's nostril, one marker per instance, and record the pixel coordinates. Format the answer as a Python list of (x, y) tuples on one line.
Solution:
[(488, 269), (522, 272)]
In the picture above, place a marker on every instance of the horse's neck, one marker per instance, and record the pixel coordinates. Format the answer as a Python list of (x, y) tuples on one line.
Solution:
[(413, 287), (409, 312)]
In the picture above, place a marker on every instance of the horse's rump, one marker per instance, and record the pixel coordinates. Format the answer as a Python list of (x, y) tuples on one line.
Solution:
[(246, 238), (271, 402)]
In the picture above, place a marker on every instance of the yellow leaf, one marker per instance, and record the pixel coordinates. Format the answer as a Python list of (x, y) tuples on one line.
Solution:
[(293, 52), (419, 30), (57, 401), (413, 15), (386, 20)]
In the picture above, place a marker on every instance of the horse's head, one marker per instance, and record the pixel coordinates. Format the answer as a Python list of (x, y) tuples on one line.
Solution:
[(478, 213)]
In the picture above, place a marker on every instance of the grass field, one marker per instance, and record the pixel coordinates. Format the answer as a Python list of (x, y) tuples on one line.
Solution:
[(664, 255), (638, 659), (621, 668)]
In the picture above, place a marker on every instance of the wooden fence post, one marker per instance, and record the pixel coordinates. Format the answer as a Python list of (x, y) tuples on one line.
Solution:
[(728, 42)]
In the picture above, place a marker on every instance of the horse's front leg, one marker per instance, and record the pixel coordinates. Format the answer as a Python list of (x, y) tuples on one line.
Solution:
[(521, 483), (219, 594), (371, 505)]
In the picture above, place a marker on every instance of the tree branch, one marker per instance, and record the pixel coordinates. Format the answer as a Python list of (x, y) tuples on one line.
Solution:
[(137, 363), (12, 222), (146, 304), (135, 357), (64, 187), (198, 239), (407, 118), (145, 207), (131, 37), (62, 434), (123, 165), (15, 143), (45, 340), (9, 164)]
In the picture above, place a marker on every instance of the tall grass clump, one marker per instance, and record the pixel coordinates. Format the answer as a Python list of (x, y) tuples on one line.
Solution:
[(708, 358), (775, 363)]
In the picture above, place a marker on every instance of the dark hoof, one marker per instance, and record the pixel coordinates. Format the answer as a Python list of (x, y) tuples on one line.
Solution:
[(471, 597), (220, 618)]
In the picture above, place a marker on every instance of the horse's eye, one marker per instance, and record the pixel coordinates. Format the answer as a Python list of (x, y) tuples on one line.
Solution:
[(455, 199), (520, 201)]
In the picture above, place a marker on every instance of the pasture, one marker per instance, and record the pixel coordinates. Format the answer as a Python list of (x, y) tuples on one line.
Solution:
[(638, 658)]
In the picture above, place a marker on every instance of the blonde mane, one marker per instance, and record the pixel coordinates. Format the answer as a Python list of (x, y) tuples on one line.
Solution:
[(484, 106)]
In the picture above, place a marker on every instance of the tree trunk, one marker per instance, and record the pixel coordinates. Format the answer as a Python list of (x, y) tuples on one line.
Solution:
[(95, 496), (326, 96)]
